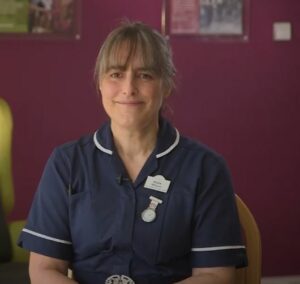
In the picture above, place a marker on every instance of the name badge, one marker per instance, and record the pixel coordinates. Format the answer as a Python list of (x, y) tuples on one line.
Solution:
[(158, 183)]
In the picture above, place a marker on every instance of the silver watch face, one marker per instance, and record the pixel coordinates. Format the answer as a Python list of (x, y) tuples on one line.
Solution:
[(148, 215)]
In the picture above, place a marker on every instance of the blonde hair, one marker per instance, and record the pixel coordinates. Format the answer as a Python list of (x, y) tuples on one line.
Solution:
[(136, 37)]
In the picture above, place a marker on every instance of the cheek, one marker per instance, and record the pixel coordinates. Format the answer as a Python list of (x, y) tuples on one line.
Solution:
[(160, 96), (108, 90), (104, 97), (106, 101), (104, 94), (106, 105)]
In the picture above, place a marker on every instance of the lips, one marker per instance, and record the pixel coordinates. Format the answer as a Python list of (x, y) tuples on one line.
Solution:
[(129, 103)]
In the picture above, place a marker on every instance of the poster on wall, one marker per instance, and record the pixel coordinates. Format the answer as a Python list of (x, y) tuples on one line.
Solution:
[(40, 18), (206, 18)]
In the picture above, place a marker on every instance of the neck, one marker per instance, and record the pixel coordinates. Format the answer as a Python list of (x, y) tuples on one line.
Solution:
[(134, 142), (134, 146)]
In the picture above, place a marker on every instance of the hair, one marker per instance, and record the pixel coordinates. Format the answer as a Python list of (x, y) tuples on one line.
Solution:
[(136, 37)]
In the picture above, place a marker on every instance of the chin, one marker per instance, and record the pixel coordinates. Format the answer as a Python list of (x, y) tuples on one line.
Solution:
[(132, 123)]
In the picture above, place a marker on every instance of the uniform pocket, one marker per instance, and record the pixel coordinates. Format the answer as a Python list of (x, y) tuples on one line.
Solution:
[(91, 225), (168, 237), (176, 229)]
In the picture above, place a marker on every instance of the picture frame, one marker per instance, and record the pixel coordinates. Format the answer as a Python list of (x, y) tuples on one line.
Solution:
[(206, 19), (40, 19)]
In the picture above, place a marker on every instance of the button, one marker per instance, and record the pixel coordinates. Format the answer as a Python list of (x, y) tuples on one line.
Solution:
[(119, 279)]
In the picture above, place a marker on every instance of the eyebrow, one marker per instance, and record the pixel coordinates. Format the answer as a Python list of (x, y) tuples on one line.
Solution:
[(123, 68), (116, 67)]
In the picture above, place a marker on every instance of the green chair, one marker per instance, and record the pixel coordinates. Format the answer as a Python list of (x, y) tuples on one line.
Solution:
[(13, 260)]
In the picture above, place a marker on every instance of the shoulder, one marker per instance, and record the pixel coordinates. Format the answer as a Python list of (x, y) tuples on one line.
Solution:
[(182, 147), (84, 141), (73, 148), (200, 151)]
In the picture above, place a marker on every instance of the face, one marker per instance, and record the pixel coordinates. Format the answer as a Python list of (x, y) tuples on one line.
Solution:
[(132, 96)]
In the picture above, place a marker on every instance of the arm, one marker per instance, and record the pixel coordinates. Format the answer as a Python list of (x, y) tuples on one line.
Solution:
[(214, 275), (48, 270)]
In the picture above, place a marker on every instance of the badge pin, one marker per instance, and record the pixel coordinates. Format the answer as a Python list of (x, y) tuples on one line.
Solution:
[(149, 214), (158, 183), (119, 279)]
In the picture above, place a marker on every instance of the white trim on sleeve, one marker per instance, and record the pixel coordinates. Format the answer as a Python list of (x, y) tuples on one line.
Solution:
[(46, 237), (217, 248)]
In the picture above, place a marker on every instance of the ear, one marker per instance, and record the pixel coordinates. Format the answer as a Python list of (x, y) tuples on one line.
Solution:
[(99, 86), (167, 93), (166, 90)]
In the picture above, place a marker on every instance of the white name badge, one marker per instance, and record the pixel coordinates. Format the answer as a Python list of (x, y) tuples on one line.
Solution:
[(158, 183)]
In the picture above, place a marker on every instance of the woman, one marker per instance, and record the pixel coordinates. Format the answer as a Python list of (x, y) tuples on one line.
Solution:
[(135, 202)]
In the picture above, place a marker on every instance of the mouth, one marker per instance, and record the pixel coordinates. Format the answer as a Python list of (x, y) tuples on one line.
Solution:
[(129, 103)]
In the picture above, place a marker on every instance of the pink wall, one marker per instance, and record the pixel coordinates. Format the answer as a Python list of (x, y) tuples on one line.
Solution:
[(240, 98)]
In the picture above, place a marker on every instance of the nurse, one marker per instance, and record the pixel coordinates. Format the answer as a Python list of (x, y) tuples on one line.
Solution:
[(135, 202)]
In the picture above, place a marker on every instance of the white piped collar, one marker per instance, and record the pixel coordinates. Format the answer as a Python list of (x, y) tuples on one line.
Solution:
[(167, 151), (159, 155), (99, 146)]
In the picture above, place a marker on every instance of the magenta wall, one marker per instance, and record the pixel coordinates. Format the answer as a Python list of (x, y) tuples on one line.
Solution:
[(240, 98)]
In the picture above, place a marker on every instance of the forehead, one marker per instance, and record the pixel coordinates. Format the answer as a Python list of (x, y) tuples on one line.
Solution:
[(123, 54)]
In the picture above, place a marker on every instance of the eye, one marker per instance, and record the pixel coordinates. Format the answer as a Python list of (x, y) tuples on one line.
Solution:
[(115, 75), (146, 76)]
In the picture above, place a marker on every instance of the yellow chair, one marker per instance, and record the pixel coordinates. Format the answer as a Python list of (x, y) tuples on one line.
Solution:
[(9, 230), (252, 273), (6, 184)]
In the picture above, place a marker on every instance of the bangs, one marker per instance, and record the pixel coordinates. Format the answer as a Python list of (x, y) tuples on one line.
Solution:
[(133, 41), (124, 48)]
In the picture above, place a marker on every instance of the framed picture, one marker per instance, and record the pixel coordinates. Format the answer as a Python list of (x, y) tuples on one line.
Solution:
[(208, 19), (40, 18)]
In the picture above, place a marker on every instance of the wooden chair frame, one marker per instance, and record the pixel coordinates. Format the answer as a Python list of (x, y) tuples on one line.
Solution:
[(252, 273)]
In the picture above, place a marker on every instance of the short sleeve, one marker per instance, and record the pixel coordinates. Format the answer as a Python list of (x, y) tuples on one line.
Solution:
[(47, 229), (216, 237)]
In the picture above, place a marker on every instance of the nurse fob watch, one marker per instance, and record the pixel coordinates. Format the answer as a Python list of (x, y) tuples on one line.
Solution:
[(149, 214)]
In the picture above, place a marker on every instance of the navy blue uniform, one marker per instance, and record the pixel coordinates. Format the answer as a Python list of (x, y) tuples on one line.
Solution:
[(87, 211)]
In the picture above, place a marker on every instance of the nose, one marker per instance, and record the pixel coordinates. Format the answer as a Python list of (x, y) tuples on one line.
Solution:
[(129, 86)]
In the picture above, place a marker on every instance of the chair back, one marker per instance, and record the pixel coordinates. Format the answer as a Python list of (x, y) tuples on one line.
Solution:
[(6, 181), (5, 243), (9, 231), (252, 273)]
